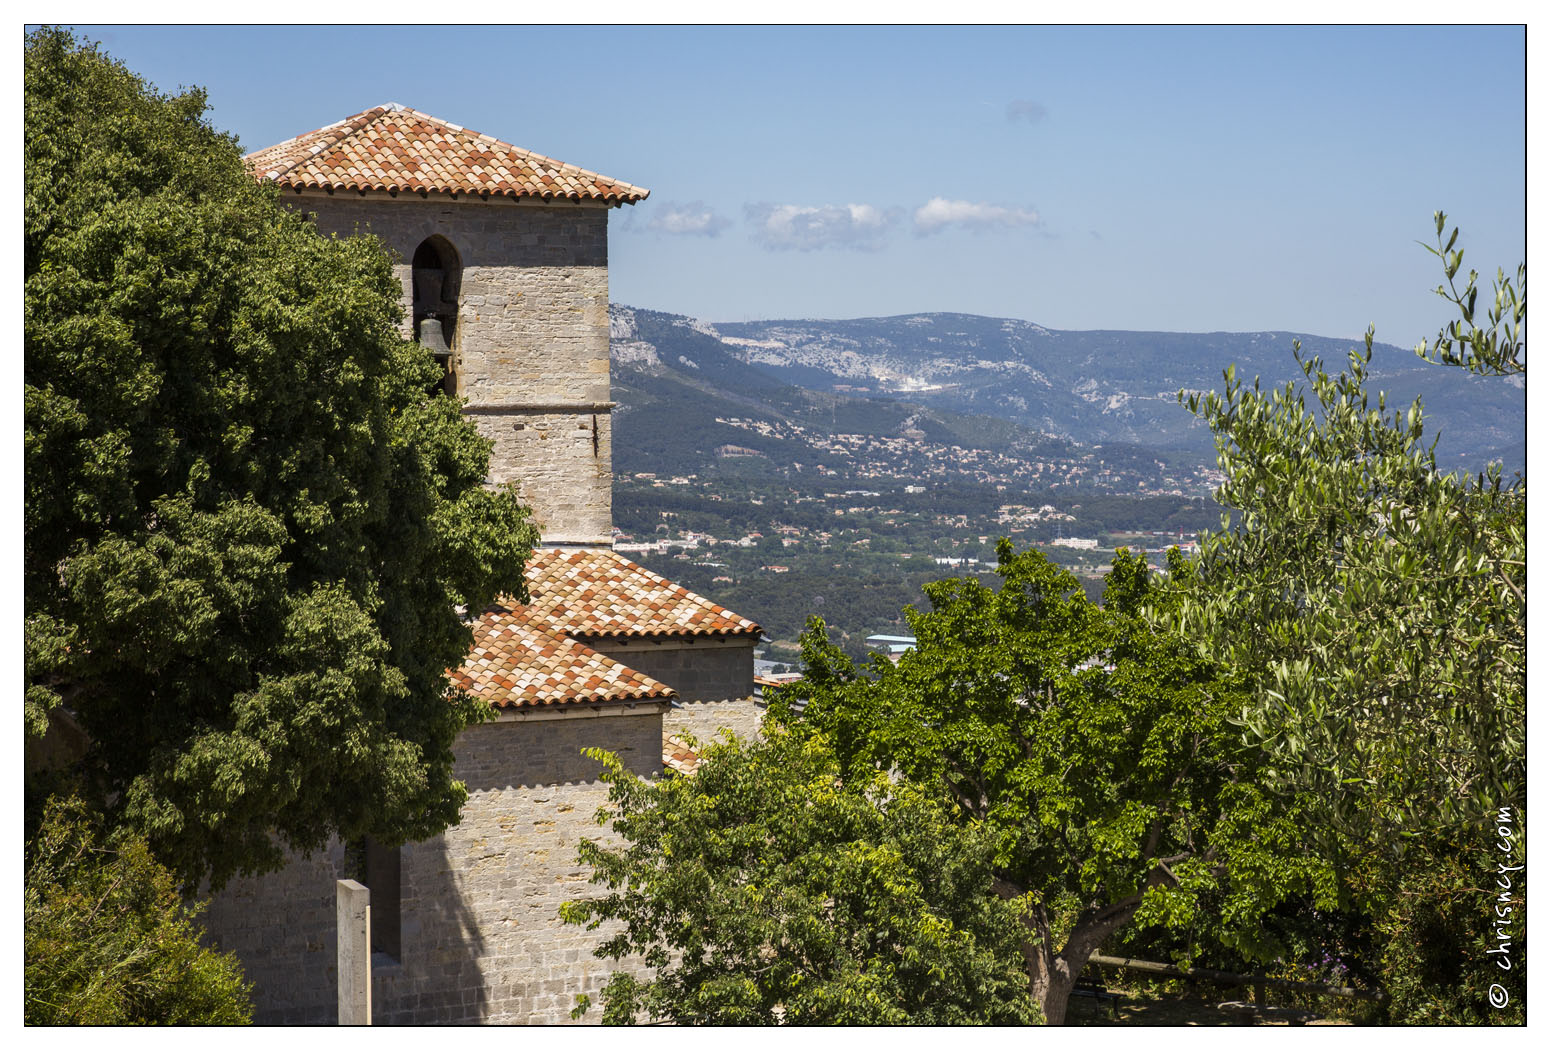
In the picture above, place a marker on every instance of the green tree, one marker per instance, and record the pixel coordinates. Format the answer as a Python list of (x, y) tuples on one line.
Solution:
[(247, 525), (108, 938), (1379, 602), (763, 889), (1093, 749), (1376, 607), (1498, 348)]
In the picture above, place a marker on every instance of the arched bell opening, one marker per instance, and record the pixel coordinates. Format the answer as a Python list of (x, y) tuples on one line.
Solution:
[(437, 275)]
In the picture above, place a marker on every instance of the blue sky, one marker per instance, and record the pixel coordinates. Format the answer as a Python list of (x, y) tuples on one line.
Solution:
[(1186, 179)]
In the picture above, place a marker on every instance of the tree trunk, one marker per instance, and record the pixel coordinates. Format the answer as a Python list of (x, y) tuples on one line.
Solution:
[(1053, 974), (1062, 969), (1034, 943)]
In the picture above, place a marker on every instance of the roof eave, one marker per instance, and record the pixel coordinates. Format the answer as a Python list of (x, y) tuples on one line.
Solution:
[(529, 713), (391, 190), (660, 633)]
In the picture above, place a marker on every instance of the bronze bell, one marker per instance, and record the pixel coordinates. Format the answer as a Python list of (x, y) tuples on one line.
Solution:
[(432, 338)]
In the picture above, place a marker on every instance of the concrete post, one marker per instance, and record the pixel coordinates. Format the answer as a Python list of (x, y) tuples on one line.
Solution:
[(354, 921)]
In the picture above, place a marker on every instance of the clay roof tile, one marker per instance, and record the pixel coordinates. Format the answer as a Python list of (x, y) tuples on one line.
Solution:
[(518, 662), (592, 593), (377, 147)]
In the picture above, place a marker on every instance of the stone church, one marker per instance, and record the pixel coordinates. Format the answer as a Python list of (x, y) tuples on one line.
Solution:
[(503, 256)]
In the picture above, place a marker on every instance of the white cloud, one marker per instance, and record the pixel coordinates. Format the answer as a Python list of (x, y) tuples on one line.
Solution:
[(806, 227), (940, 212), (688, 220)]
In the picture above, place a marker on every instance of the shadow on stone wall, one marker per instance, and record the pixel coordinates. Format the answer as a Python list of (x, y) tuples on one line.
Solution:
[(440, 975), (511, 863)]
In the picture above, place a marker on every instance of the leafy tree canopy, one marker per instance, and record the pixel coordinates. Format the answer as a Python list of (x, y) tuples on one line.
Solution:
[(1093, 749), (1377, 603), (764, 889), (247, 526), (108, 938)]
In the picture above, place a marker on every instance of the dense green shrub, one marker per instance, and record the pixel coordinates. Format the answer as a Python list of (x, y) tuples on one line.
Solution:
[(109, 941), (1435, 910)]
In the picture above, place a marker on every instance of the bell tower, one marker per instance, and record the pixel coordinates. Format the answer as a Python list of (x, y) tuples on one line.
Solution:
[(503, 259)]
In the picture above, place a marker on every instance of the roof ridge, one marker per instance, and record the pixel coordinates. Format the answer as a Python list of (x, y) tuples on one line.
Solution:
[(526, 153), (616, 556), (674, 585), (584, 593), (348, 125), (547, 176)]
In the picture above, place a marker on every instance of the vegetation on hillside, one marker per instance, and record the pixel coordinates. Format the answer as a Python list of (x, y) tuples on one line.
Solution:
[(860, 567), (1089, 387)]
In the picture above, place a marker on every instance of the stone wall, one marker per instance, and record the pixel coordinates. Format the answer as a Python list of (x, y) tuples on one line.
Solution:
[(281, 927), (714, 678), (705, 720), (560, 462), (481, 936), (531, 344)]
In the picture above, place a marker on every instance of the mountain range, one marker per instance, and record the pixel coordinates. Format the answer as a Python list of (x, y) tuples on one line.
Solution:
[(992, 383)]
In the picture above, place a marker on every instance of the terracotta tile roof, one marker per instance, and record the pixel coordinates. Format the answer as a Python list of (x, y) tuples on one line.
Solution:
[(393, 148), (516, 662), (521, 657), (596, 592), (678, 756)]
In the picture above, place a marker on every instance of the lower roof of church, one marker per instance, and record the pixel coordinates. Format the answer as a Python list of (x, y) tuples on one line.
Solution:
[(530, 655)]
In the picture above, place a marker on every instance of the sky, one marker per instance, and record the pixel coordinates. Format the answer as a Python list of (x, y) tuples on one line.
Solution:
[(1181, 179)]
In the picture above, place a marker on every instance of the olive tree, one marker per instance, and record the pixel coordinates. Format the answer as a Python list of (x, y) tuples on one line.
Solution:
[(1377, 602), (1375, 607)]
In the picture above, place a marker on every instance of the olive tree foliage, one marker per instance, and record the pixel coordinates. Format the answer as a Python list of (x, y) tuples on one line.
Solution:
[(247, 525), (1093, 749), (766, 889), (1494, 350), (1377, 602), (1375, 607)]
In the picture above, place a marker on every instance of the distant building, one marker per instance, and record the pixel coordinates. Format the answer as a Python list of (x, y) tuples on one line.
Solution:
[(767, 681), (893, 645)]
